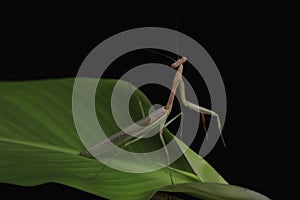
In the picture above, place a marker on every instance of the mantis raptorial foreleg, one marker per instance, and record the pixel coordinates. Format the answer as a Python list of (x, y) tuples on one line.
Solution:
[(198, 108)]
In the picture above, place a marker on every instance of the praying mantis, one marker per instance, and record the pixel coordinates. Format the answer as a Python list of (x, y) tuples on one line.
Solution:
[(156, 119)]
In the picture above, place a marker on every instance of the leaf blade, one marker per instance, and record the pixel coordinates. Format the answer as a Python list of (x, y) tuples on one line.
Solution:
[(39, 143)]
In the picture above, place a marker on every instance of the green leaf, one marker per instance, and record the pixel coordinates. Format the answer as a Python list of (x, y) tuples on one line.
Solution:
[(216, 191), (39, 143)]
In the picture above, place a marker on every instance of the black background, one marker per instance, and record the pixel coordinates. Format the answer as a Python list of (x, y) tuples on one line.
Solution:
[(249, 44)]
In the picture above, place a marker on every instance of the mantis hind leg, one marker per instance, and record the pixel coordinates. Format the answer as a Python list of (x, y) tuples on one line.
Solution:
[(164, 143), (173, 119), (116, 154), (138, 99), (136, 140), (166, 150), (131, 87)]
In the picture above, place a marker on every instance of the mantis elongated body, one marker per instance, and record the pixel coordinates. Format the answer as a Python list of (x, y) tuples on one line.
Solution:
[(156, 120)]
